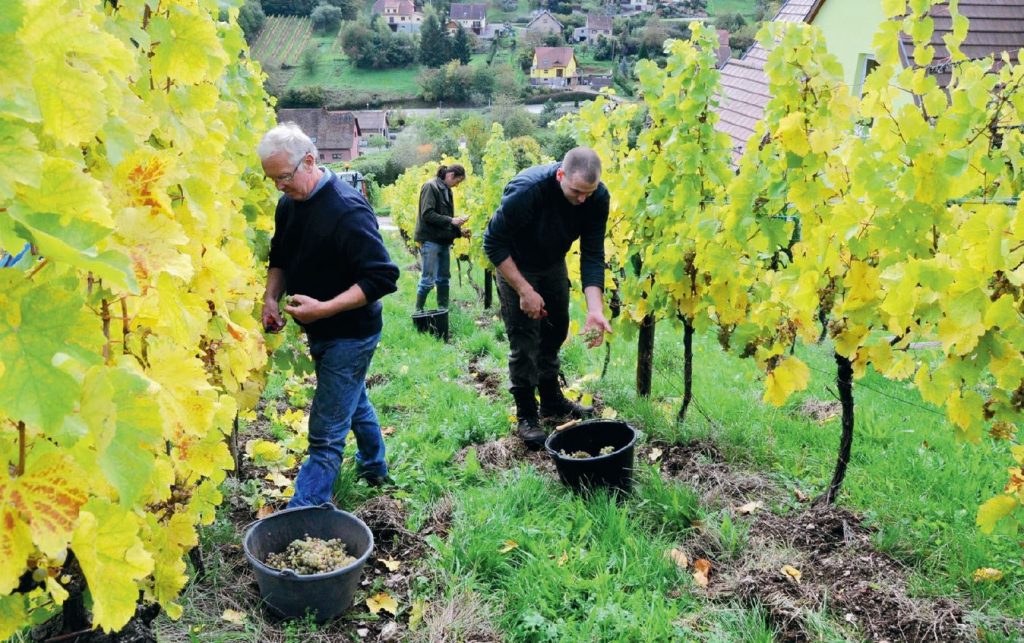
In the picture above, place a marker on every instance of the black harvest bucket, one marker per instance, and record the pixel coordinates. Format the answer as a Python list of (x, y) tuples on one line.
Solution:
[(434, 322), (290, 594), (614, 470)]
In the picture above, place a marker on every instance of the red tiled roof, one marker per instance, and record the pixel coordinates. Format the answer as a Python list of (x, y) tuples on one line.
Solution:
[(468, 11), (551, 57)]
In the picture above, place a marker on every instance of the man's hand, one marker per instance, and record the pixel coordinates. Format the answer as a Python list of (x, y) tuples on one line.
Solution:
[(595, 328), (467, 233), (532, 304), (458, 221), (305, 309), (273, 322)]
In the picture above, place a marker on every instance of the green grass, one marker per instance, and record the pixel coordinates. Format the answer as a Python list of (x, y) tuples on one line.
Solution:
[(334, 72), (718, 7), (594, 568)]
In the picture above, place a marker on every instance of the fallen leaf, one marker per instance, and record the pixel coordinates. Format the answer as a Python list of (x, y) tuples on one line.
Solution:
[(609, 413), (563, 559), (416, 614), (388, 430), (587, 399), (279, 480), (363, 632), (654, 454), (987, 575), (264, 511), (750, 507), (800, 495), (392, 565), (248, 415), (702, 567), (233, 616), (792, 572), (508, 546), (382, 601), (404, 370), (679, 558)]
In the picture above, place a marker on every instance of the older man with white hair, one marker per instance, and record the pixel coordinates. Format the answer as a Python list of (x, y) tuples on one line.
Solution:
[(328, 256)]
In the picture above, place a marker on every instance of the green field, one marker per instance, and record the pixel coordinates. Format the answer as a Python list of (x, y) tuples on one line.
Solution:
[(281, 41), (718, 7)]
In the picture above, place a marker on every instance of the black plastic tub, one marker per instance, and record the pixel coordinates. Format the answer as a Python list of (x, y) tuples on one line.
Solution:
[(614, 470), (289, 594), (434, 322)]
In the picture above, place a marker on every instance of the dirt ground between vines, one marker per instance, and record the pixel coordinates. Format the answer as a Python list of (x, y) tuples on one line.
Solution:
[(840, 571)]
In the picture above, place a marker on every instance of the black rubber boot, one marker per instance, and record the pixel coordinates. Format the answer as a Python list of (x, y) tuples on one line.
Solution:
[(554, 405), (421, 301), (442, 296), (528, 429)]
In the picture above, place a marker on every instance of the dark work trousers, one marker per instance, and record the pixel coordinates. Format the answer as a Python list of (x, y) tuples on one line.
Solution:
[(535, 343)]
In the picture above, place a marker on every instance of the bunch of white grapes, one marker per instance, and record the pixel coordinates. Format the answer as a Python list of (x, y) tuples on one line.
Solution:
[(312, 556)]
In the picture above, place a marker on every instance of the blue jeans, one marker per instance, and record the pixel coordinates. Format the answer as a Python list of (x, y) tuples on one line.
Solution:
[(436, 267), (340, 403)]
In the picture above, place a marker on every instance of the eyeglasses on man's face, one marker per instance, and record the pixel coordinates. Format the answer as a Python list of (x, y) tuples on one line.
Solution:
[(287, 178)]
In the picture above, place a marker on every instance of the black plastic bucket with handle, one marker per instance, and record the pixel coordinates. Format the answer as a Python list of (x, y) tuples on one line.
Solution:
[(434, 322), (290, 594), (614, 470)]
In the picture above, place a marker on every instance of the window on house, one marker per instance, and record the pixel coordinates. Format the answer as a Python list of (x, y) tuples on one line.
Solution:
[(558, 73), (866, 63), (336, 157)]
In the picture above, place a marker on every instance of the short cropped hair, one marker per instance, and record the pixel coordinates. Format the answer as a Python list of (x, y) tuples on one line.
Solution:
[(584, 163), (286, 137)]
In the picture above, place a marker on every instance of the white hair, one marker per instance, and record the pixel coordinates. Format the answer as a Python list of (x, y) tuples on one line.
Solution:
[(286, 137)]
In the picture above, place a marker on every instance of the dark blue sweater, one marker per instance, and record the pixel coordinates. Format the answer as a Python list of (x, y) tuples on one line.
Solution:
[(535, 225), (326, 244)]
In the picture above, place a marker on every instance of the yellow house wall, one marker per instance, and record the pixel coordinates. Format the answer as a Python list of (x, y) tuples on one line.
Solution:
[(568, 70)]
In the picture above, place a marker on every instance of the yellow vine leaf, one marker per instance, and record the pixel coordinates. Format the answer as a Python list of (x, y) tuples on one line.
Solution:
[(13, 613), (169, 542), (987, 575), (107, 545), (126, 424), (186, 49), (993, 510), (15, 547), (788, 376), (49, 496), (51, 321), (382, 601)]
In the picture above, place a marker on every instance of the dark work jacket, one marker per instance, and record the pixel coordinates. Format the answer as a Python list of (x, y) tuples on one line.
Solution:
[(437, 209), (327, 244), (536, 225)]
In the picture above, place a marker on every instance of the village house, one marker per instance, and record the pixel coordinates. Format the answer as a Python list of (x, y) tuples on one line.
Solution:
[(472, 16), (399, 15), (554, 67), (849, 28), (335, 134), (372, 123), (544, 23), (597, 25)]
